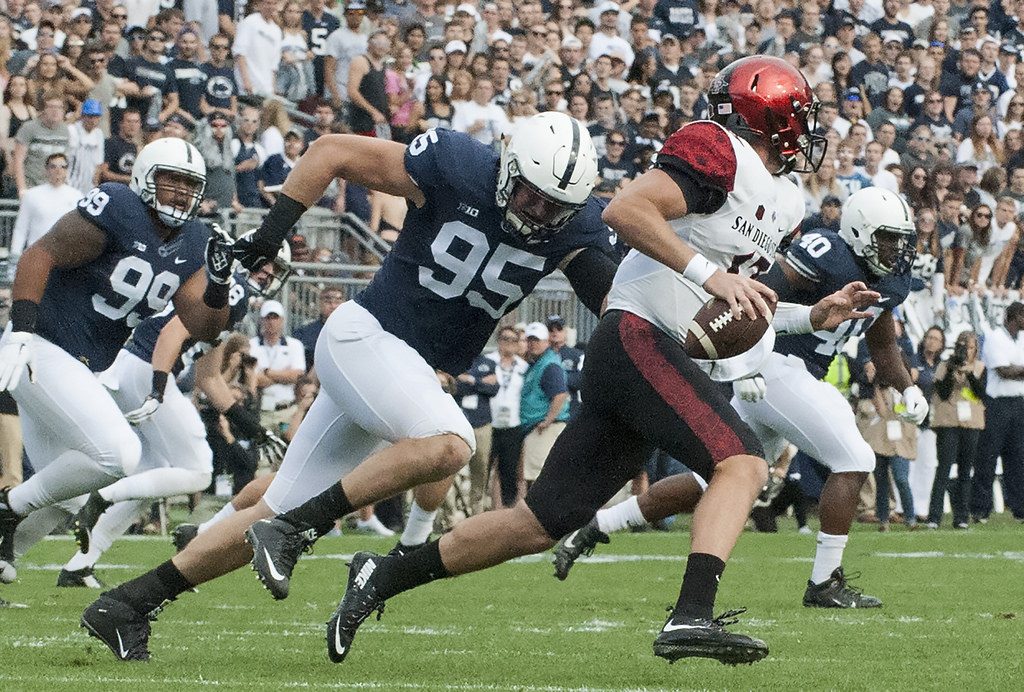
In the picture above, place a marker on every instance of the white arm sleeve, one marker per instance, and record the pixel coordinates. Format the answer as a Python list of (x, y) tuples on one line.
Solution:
[(792, 318)]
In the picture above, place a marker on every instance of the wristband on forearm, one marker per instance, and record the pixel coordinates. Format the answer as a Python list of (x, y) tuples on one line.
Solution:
[(216, 295), (699, 269), (283, 216), (24, 314), (159, 385)]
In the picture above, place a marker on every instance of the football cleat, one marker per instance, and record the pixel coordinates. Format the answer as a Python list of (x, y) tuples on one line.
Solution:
[(836, 592), (276, 546), (119, 626), (80, 578), (183, 535), (9, 521), (359, 602), (8, 573), (401, 549), (689, 637), (86, 519), (579, 542)]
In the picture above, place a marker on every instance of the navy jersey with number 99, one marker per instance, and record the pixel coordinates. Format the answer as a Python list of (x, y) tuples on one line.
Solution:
[(453, 273), (89, 311)]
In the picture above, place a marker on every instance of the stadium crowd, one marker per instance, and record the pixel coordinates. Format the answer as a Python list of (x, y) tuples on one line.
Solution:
[(919, 98)]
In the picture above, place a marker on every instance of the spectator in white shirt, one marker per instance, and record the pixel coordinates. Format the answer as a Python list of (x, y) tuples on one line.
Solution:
[(873, 168), (257, 50), (280, 362), (606, 40), (85, 147), (480, 117), (42, 205)]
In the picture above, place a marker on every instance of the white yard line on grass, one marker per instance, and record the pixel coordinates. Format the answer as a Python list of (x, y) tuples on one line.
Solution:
[(187, 683)]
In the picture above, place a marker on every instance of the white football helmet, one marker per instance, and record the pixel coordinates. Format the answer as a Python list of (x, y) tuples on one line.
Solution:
[(270, 278), (178, 157), (548, 168), (871, 213)]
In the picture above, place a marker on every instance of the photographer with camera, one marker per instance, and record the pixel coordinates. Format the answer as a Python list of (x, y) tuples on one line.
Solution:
[(958, 417)]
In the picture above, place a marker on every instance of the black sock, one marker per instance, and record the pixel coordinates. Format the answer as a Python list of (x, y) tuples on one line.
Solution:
[(700, 585), (150, 590), (321, 511), (417, 568)]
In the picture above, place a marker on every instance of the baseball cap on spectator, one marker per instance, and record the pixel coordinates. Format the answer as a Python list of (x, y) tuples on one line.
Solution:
[(1009, 49), (152, 125), (979, 86), (920, 43), (890, 37), (571, 41), (853, 94), (92, 107), (669, 37), (469, 9), (847, 21), (80, 12), (554, 321), (536, 330), (609, 6), (355, 5), (831, 201), (455, 46), (500, 36), (272, 307), (967, 29), (968, 164), (53, 3)]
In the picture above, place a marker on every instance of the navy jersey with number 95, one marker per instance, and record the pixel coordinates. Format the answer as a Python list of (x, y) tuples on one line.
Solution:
[(825, 259), (89, 311), (453, 273)]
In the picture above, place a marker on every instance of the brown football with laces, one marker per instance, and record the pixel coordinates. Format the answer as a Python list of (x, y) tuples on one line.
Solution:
[(715, 334)]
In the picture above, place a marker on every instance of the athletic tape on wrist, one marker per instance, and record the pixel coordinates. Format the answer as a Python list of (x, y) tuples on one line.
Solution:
[(699, 269)]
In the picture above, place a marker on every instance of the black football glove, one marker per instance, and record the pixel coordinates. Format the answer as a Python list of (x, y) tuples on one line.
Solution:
[(254, 255), (219, 255)]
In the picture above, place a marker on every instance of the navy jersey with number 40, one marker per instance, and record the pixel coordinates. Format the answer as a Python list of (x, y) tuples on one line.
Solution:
[(89, 311), (453, 273), (829, 263)]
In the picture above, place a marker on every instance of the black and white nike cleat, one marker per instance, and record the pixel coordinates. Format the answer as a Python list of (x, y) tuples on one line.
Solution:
[(401, 549), (9, 521), (359, 602), (80, 578), (86, 519), (182, 535), (837, 592), (119, 626), (579, 542), (276, 546), (688, 637)]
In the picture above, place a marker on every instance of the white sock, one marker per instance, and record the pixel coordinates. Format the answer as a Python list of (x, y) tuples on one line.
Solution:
[(419, 525), (114, 522), (225, 512), (69, 475), (374, 524), (828, 557), (625, 514), (156, 483)]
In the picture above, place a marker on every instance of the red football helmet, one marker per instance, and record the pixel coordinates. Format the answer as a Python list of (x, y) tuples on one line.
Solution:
[(770, 98)]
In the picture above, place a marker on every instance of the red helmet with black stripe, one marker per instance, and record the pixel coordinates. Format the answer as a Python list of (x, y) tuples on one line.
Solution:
[(769, 98)]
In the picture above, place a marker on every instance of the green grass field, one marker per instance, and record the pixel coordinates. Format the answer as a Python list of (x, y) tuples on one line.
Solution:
[(954, 618)]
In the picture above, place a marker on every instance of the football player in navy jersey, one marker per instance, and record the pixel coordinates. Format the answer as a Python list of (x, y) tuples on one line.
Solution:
[(718, 198), (176, 458), (481, 231), (121, 257), (875, 245)]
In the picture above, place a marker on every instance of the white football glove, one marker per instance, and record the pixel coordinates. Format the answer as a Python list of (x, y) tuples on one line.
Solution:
[(914, 408), (751, 389), (271, 449), (16, 354), (144, 412)]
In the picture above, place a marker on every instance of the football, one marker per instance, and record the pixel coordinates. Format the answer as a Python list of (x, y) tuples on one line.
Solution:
[(715, 334)]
